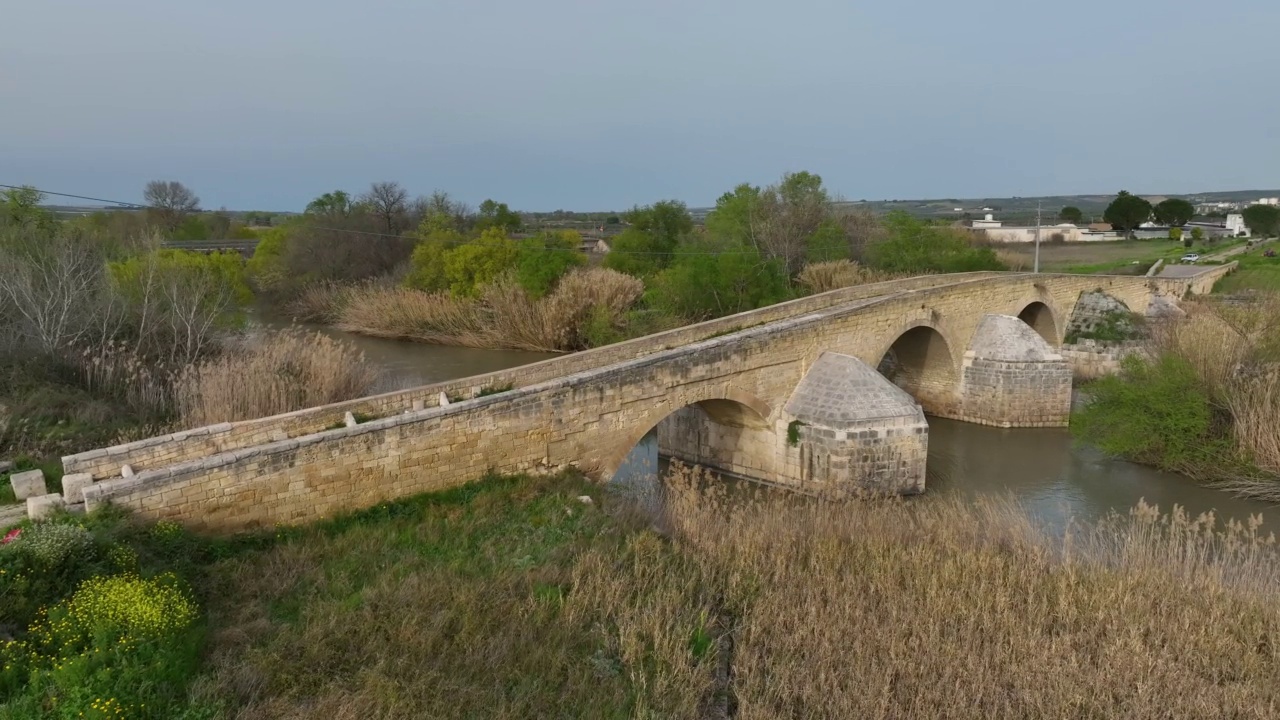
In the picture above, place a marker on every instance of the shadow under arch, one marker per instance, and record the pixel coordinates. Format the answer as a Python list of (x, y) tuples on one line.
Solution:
[(921, 362), (1040, 317), (707, 430)]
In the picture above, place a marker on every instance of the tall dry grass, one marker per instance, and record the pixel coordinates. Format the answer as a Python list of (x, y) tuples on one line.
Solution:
[(835, 274), (503, 316), (276, 373), (513, 599)]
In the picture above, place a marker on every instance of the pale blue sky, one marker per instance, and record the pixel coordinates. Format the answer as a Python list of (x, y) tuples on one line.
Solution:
[(597, 105)]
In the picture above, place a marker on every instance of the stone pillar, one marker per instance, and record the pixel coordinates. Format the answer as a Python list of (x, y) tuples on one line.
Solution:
[(1013, 378), (851, 429)]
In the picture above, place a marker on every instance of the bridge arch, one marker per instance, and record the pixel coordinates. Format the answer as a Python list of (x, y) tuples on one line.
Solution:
[(921, 361), (715, 426), (1040, 317)]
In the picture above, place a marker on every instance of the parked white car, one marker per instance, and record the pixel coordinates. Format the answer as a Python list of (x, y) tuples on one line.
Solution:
[(1191, 258)]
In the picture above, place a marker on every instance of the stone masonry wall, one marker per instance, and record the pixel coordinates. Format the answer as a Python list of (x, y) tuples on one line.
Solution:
[(179, 447), (1017, 394), (590, 418)]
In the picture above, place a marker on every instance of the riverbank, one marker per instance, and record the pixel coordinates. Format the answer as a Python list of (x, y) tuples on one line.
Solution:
[(517, 597)]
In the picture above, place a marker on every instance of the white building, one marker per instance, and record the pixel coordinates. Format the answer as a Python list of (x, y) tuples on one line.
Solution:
[(1235, 224), (1267, 201)]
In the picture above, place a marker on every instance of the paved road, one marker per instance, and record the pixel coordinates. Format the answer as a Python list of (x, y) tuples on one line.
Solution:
[(1182, 271)]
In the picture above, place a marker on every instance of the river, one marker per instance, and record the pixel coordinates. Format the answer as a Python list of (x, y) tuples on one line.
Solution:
[(1043, 469)]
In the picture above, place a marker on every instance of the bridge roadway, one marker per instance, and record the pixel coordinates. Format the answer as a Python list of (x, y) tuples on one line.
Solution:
[(825, 394)]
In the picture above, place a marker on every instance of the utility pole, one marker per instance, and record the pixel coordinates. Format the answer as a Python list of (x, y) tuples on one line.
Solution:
[(1037, 267)]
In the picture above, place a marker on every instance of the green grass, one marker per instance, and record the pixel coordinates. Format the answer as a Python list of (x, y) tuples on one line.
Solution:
[(1255, 272)]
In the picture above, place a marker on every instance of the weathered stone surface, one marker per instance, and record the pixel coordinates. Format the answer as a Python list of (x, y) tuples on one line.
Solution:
[(725, 383), (1007, 339), (42, 506), (1013, 378), (6, 466), (11, 515), (28, 484), (73, 486), (840, 391)]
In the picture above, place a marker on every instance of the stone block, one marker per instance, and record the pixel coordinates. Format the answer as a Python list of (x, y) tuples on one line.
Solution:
[(42, 506), (349, 420), (28, 484), (126, 471), (5, 466), (73, 486)]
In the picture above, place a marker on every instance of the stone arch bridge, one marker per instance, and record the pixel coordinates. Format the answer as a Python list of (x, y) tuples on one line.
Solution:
[(825, 394)]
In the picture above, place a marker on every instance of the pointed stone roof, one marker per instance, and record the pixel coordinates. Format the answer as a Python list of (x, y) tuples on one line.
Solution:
[(840, 391), (1005, 338)]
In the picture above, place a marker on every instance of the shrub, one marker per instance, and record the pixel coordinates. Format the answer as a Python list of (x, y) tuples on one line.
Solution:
[(1155, 412), (701, 284), (916, 247), (833, 275)]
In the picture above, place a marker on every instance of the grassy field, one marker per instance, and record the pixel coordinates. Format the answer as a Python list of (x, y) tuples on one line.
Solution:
[(1254, 273), (518, 597), (1102, 257), (513, 598)]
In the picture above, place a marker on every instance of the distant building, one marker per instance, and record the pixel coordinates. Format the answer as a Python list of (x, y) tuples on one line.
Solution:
[(1235, 224), (1267, 201)]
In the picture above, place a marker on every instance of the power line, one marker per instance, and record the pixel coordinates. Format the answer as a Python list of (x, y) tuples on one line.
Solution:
[(68, 195), (390, 236)]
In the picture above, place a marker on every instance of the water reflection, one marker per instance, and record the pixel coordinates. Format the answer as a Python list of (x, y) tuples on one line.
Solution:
[(1056, 479)]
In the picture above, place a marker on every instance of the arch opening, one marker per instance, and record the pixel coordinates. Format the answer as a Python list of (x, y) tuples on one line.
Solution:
[(1100, 316), (1040, 317), (920, 362), (732, 435)]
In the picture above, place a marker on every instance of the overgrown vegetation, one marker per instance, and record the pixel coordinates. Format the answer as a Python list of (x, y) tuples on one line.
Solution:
[(1203, 401), (101, 619), (511, 598), (466, 280), (108, 337)]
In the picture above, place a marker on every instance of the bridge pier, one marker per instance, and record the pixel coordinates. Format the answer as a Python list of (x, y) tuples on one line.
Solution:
[(845, 428), (1011, 377)]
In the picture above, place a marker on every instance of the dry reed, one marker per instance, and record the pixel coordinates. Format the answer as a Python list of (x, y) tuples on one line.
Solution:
[(835, 274), (520, 601), (276, 373), (503, 316)]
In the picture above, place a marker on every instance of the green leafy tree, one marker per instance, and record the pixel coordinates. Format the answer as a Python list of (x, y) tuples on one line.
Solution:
[(498, 216), (1263, 220), (471, 266), (1127, 212), (709, 279), (427, 270), (913, 246), (192, 229), (544, 259), (667, 222), (337, 203), (649, 244), (1174, 212), (21, 207), (1197, 235), (730, 221), (1175, 234), (1071, 214), (635, 252)]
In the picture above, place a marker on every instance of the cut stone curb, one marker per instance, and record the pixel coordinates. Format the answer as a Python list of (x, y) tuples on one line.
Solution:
[(28, 484)]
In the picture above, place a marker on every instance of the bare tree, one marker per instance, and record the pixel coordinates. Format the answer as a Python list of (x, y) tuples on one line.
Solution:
[(171, 201), (389, 202), (52, 293)]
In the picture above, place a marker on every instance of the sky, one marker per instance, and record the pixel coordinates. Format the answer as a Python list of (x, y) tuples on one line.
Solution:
[(570, 104)]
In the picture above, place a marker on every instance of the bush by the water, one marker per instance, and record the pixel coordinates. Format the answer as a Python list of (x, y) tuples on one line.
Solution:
[(1204, 401)]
